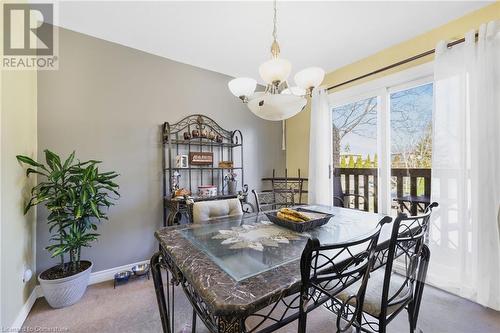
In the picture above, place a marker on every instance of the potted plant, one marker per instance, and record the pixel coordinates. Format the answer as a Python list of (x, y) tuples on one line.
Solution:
[(77, 196)]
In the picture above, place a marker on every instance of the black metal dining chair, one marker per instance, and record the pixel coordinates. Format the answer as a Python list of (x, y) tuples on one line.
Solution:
[(275, 199), (328, 269), (399, 282), (342, 199)]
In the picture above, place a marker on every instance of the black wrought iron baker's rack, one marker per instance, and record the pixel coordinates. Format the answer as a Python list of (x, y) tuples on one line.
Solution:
[(225, 145)]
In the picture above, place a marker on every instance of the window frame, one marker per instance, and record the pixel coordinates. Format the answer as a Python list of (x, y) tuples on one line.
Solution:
[(382, 88)]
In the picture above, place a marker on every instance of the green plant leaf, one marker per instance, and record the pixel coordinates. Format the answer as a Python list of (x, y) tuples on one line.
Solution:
[(29, 161), (59, 250), (78, 212), (69, 160), (91, 189), (85, 196), (31, 170), (81, 164), (28, 206), (93, 206), (52, 160)]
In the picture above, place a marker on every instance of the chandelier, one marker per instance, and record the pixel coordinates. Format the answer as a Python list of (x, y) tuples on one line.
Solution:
[(279, 101)]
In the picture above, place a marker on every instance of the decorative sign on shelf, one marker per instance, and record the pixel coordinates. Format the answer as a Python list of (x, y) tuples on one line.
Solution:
[(226, 164), (201, 158)]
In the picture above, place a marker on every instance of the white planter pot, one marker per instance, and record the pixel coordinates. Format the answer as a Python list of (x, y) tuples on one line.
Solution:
[(65, 291)]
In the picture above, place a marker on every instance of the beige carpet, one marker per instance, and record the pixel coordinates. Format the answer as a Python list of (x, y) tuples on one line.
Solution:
[(132, 308)]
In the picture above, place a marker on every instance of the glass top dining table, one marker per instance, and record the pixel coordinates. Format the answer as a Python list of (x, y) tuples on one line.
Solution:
[(248, 246), (237, 266)]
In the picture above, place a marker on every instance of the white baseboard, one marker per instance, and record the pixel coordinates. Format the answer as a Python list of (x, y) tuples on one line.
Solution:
[(25, 310), (109, 274), (95, 277)]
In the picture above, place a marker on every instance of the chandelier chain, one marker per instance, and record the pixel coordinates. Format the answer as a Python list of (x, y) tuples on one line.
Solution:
[(275, 23)]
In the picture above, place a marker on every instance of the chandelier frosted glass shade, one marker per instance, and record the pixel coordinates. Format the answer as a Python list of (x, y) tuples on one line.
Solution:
[(297, 91), (276, 107), (242, 87), (309, 77), (275, 70)]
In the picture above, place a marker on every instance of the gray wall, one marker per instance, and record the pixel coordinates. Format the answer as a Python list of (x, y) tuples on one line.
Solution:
[(107, 102)]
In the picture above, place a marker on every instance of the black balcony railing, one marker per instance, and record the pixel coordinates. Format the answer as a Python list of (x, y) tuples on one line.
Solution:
[(410, 188)]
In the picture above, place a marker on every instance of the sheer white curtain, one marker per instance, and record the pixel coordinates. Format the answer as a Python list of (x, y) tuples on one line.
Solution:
[(464, 235), (320, 143)]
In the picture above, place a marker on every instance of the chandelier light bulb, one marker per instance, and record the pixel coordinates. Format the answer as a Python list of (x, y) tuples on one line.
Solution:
[(309, 78), (275, 70), (242, 87)]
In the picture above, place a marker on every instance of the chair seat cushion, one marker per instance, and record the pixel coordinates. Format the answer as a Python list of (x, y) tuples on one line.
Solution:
[(373, 295), (209, 210)]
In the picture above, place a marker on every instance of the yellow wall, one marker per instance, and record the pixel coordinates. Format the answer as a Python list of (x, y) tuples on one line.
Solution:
[(298, 127), (18, 135)]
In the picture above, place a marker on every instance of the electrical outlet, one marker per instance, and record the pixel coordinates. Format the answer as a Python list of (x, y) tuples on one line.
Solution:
[(27, 275)]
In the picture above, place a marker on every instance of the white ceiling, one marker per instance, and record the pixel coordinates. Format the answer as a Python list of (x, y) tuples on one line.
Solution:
[(234, 37)]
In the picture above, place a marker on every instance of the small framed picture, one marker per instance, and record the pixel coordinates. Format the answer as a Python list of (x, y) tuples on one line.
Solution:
[(201, 158), (181, 161)]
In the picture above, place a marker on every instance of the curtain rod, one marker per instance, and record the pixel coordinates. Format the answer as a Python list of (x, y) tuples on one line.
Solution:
[(399, 63)]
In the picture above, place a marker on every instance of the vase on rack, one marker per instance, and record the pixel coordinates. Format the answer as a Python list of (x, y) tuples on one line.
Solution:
[(231, 186)]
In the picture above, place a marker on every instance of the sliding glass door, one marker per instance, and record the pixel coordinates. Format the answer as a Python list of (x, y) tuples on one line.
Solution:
[(411, 147), (382, 146), (355, 154)]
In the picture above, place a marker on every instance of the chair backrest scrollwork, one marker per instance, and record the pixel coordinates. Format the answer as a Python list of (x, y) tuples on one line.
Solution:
[(328, 269), (403, 255), (274, 199)]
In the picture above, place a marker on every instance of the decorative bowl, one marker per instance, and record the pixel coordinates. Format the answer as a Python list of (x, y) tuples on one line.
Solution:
[(207, 190), (140, 269), (122, 276), (317, 219)]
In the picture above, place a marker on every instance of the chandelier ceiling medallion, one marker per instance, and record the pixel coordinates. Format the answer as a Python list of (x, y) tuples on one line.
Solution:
[(278, 101)]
